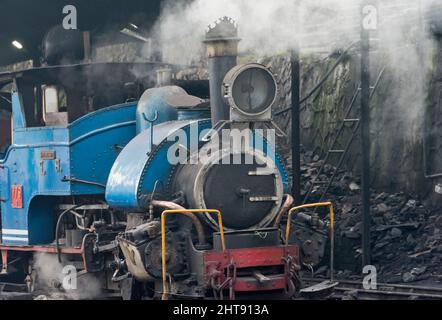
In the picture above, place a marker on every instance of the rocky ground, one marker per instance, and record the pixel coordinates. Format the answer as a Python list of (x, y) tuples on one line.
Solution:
[(406, 236)]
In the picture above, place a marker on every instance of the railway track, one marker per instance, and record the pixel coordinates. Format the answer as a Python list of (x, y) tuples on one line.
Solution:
[(383, 291), (317, 288)]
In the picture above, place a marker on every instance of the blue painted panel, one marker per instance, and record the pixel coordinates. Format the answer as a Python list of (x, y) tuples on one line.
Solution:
[(39, 136), (96, 141), (101, 118), (269, 150), (25, 167), (159, 168), (130, 173), (18, 120), (4, 184)]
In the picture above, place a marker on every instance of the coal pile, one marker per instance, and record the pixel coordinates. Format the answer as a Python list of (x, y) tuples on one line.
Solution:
[(406, 236)]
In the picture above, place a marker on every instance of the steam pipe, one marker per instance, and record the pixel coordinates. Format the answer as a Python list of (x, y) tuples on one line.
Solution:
[(285, 207), (168, 205)]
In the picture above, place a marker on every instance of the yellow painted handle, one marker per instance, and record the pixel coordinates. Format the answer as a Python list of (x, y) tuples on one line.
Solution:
[(163, 238), (304, 206)]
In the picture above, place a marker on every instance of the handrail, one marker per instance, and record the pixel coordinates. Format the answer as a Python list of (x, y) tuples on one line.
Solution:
[(332, 223), (163, 238)]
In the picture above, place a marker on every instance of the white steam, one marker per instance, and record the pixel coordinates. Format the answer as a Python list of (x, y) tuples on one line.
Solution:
[(49, 278), (268, 27), (319, 26)]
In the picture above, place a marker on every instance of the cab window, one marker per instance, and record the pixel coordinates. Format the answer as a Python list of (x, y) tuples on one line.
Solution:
[(5, 121), (54, 105)]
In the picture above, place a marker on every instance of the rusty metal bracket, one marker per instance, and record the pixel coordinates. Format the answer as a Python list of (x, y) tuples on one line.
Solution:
[(227, 283), (290, 287)]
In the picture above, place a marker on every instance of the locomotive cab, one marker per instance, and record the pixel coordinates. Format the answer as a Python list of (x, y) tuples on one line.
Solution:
[(60, 118)]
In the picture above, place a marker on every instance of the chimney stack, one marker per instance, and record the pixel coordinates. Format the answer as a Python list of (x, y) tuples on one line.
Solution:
[(222, 49)]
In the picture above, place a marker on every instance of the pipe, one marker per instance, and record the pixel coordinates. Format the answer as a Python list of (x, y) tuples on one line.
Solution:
[(57, 227), (75, 180), (222, 49), (295, 126), (168, 205), (365, 145), (284, 208)]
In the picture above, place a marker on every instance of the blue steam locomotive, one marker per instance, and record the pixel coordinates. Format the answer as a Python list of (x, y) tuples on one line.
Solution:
[(124, 175)]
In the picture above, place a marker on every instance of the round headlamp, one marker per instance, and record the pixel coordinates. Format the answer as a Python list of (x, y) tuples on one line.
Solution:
[(250, 88)]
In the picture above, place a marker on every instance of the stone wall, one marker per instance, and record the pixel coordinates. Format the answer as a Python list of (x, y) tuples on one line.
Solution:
[(397, 162)]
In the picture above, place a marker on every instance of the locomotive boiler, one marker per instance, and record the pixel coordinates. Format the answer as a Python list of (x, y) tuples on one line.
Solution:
[(165, 195)]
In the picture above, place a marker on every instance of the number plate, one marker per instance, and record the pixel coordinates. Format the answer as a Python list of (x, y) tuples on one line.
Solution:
[(47, 155)]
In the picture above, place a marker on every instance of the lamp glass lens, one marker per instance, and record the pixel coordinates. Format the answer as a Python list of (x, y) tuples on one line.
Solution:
[(253, 90)]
